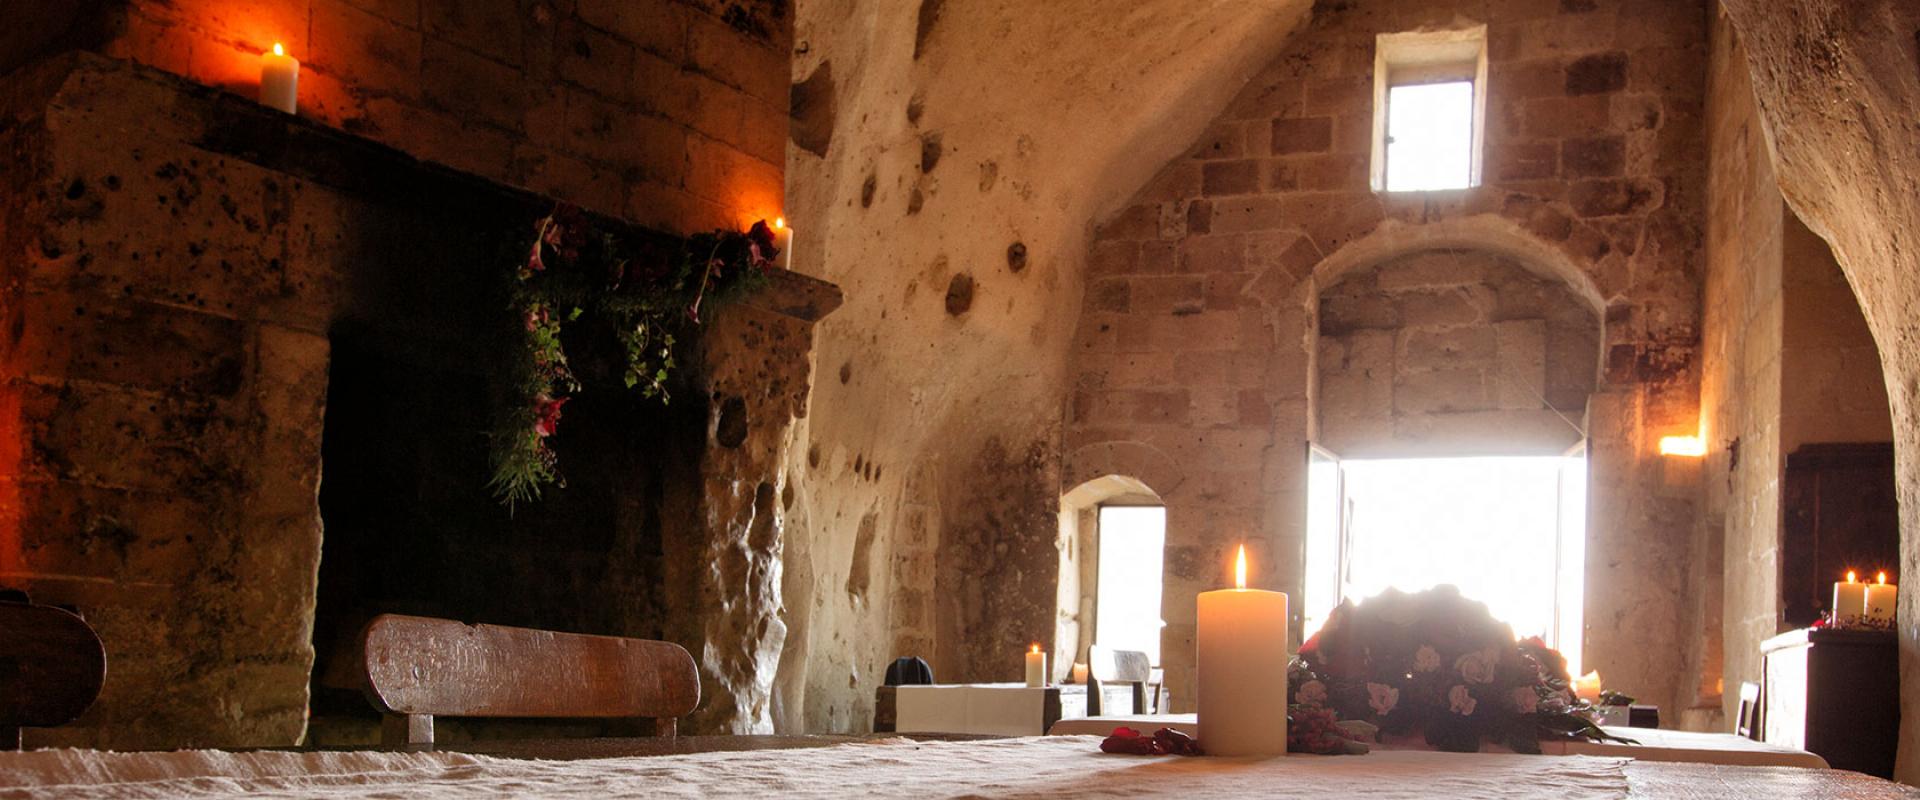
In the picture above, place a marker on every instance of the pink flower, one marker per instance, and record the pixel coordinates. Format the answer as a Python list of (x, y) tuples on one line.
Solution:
[(1461, 701), (1382, 698), (1477, 666), (1426, 659), (547, 414), (1313, 693), (1525, 700)]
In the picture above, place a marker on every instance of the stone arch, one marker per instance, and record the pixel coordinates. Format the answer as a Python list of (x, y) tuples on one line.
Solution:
[(1487, 232), (1139, 462), (1079, 506)]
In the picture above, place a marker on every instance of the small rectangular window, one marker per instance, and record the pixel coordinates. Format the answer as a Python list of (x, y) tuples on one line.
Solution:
[(1133, 541), (1430, 137), (1429, 110)]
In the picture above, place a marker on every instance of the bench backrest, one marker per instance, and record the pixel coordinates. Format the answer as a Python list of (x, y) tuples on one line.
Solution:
[(52, 666), (420, 667)]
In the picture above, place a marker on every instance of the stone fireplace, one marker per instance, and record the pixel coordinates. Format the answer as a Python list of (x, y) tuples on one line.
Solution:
[(245, 366)]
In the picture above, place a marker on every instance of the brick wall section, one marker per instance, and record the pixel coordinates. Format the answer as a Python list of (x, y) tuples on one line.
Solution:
[(670, 113), (1453, 353), (1196, 337)]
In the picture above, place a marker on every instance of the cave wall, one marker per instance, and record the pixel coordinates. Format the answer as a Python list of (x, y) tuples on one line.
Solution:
[(1194, 352), (1453, 353), (947, 160), (1836, 84)]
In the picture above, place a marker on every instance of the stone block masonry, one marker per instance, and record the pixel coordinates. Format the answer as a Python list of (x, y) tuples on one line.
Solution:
[(1594, 159), (668, 113)]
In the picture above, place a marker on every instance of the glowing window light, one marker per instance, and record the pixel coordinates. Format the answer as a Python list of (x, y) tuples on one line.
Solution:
[(1690, 446)]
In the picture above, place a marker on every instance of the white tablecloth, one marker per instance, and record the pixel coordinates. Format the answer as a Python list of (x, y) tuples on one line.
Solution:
[(1653, 744), (1054, 766)]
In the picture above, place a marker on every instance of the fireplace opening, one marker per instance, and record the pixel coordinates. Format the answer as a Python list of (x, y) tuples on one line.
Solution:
[(410, 526)]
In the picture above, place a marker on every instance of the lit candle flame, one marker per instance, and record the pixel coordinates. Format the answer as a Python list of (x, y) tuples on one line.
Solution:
[(1036, 647), (278, 50), (1850, 577), (1882, 580), (1240, 569), (779, 223)]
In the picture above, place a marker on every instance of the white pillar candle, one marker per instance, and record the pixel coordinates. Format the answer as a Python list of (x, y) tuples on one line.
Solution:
[(1242, 669), (1036, 667), (1849, 602), (1079, 673), (279, 79), (1881, 598), (783, 239)]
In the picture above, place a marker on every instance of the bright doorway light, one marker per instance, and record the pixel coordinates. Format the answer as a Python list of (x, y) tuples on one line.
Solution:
[(1132, 546), (1430, 137), (1507, 531)]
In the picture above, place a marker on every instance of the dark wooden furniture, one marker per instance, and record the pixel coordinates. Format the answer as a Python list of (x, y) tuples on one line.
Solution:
[(419, 667), (1835, 693), (1840, 512), (52, 666)]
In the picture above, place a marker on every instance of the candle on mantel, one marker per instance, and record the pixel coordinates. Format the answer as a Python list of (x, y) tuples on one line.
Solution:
[(783, 239), (279, 79), (1036, 667), (1242, 669), (1079, 673), (1882, 597), (1849, 602)]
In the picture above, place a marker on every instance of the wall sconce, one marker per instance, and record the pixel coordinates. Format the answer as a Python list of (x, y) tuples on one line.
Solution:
[(1689, 446)]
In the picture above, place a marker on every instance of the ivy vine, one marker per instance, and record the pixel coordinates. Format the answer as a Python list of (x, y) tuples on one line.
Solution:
[(575, 271)]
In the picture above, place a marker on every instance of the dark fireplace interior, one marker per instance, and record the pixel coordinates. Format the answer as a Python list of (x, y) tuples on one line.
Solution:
[(411, 526)]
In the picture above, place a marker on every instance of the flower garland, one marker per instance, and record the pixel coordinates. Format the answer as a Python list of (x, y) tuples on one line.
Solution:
[(1438, 664), (574, 271)]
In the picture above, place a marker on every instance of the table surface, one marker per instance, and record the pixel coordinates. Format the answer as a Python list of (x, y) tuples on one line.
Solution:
[(1654, 744), (1041, 767)]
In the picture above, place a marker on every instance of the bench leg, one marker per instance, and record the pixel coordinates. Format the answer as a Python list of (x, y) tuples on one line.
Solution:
[(406, 730), (666, 727)]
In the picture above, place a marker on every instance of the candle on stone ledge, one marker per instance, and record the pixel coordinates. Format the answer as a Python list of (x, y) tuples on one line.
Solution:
[(1036, 667), (1587, 687), (1242, 669), (1079, 673), (1849, 602), (279, 79), (783, 239), (1881, 600)]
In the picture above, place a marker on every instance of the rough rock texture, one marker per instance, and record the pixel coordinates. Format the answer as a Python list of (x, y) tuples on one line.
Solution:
[(1453, 353), (1837, 84), (1196, 340), (960, 129), (176, 261)]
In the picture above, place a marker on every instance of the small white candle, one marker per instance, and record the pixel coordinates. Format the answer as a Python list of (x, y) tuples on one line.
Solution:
[(1849, 602), (1036, 667), (1079, 673), (1881, 599), (1242, 669), (279, 79)]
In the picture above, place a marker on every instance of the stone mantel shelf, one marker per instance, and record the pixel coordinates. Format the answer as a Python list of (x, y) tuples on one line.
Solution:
[(246, 130)]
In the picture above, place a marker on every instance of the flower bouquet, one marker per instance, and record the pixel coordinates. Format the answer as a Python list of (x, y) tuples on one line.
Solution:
[(1437, 664)]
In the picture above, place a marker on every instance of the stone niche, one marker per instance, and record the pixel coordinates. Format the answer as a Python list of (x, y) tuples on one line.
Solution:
[(246, 366), (1453, 352)]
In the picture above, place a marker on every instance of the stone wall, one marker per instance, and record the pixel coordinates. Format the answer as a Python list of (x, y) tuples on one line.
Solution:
[(1195, 343), (177, 260), (1740, 388), (1453, 353), (947, 160), (668, 113)]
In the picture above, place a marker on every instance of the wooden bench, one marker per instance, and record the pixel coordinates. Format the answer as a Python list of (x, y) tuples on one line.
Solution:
[(52, 666), (418, 668)]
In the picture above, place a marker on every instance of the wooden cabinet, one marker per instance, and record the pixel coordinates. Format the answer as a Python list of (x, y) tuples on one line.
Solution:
[(1839, 512), (1835, 693)]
